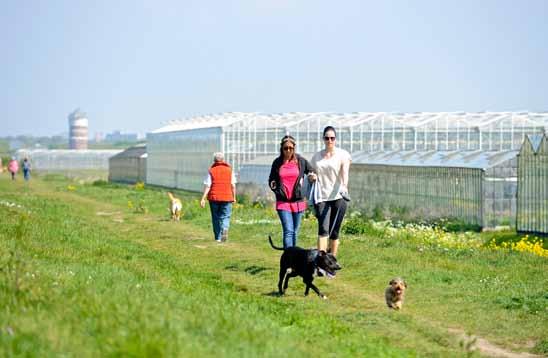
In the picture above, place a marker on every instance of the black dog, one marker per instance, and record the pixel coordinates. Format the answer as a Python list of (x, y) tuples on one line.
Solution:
[(296, 261)]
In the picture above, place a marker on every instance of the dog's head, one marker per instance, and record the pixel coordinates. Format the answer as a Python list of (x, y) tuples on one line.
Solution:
[(327, 263), (398, 285)]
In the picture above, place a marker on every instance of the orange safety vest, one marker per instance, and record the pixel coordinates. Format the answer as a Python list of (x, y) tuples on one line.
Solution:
[(221, 183)]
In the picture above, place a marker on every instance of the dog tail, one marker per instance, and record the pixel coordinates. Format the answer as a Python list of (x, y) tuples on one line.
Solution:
[(272, 244)]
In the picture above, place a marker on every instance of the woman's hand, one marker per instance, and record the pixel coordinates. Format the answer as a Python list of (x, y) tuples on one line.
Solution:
[(202, 203), (312, 177), (273, 185)]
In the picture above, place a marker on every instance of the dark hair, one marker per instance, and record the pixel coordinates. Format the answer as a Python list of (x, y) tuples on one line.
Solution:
[(329, 128), (290, 139)]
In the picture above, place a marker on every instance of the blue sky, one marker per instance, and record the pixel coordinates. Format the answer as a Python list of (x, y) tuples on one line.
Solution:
[(132, 65)]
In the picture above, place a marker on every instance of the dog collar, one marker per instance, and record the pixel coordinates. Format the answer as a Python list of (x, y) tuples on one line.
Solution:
[(313, 256)]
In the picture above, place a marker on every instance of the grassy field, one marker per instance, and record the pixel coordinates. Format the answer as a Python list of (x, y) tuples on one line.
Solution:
[(99, 270)]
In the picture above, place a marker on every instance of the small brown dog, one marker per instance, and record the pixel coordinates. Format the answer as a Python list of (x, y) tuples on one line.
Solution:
[(175, 207), (395, 292)]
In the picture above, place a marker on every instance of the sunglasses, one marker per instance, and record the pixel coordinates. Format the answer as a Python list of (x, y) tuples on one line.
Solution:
[(329, 138), (288, 148)]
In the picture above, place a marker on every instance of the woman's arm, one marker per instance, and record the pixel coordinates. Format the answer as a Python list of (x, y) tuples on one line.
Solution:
[(311, 169), (272, 176), (204, 196), (345, 169), (308, 168)]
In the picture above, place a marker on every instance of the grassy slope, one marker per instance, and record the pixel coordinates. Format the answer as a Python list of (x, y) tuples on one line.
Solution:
[(90, 284)]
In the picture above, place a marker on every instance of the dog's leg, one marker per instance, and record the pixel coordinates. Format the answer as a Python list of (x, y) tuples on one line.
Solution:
[(310, 285), (287, 276), (283, 277)]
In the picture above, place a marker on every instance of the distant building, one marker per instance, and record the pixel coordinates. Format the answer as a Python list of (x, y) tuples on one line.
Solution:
[(78, 130), (99, 137), (117, 136)]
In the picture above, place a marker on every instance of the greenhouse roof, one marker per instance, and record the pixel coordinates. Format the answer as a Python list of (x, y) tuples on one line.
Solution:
[(455, 159), (69, 152), (439, 120), (137, 151)]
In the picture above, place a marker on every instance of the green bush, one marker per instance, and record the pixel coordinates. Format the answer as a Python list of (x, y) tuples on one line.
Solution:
[(100, 183), (378, 213), (358, 224), (243, 199), (399, 213), (455, 225)]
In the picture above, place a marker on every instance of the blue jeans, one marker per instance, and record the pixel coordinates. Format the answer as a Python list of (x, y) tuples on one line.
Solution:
[(26, 174), (220, 217), (290, 225)]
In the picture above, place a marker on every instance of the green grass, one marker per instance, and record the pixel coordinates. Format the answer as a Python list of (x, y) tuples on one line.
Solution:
[(83, 274)]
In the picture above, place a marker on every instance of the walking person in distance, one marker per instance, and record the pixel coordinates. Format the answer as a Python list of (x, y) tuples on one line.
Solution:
[(220, 191), (13, 167), (26, 169)]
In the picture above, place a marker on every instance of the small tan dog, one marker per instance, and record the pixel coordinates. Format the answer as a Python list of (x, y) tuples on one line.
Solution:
[(175, 207), (395, 292)]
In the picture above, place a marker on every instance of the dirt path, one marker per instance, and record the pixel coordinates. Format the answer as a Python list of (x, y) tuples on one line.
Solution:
[(487, 348)]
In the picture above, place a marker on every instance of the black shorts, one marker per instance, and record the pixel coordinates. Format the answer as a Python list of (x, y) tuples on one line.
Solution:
[(330, 215)]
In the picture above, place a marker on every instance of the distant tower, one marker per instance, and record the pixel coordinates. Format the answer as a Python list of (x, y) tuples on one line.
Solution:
[(78, 130)]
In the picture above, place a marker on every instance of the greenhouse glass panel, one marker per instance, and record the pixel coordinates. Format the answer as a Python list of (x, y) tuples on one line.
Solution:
[(532, 207), (66, 160), (128, 166)]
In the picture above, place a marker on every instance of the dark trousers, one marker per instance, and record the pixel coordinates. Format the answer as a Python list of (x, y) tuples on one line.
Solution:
[(330, 215)]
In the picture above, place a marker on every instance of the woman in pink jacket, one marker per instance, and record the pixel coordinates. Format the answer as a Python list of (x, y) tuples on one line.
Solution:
[(13, 167)]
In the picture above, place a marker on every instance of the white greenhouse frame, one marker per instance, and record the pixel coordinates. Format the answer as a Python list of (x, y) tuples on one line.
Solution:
[(365, 131), (185, 146)]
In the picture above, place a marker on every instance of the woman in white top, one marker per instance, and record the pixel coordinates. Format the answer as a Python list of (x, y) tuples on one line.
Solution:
[(332, 165)]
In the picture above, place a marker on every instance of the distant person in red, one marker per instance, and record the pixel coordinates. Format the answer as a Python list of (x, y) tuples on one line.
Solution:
[(220, 190), (13, 167)]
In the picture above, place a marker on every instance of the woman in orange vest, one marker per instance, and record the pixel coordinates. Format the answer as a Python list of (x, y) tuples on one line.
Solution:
[(220, 190)]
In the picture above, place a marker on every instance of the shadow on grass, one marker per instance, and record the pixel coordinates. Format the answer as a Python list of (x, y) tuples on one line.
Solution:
[(253, 270), (273, 294)]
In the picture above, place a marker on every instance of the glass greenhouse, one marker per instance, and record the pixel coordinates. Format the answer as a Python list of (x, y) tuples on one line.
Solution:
[(476, 187), (128, 166), (181, 152), (67, 159), (532, 198)]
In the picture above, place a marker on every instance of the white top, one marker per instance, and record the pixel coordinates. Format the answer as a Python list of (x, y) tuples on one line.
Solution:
[(207, 181), (329, 172)]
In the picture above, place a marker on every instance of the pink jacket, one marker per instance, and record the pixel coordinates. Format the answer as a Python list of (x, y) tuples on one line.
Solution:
[(13, 166)]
